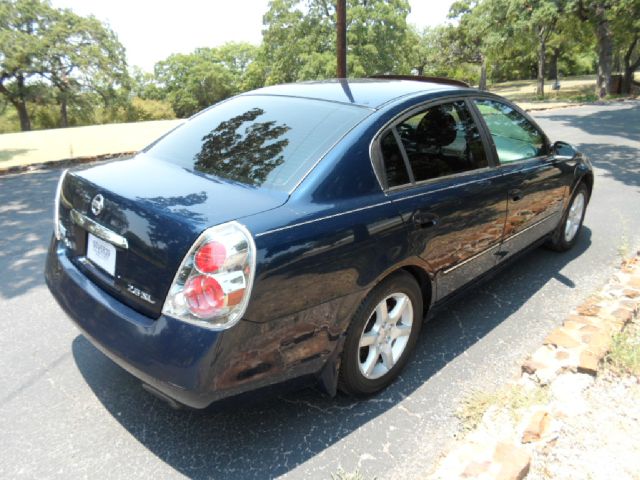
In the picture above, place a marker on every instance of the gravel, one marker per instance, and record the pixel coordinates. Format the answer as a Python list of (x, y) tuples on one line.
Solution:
[(601, 439)]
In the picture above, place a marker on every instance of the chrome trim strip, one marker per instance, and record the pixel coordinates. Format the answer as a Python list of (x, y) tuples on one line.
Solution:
[(530, 227), (522, 170), (486, 250), (321, 219), (450, 269), (478, 180), (98, 230)]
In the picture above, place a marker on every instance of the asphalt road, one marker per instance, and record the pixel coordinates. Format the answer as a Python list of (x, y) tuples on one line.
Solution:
[(66, 411)]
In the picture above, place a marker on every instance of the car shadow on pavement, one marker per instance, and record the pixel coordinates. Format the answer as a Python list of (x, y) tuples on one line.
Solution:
[(272, 437)]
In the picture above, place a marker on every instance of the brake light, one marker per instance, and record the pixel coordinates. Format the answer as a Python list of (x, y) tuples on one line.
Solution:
[(213, 284), (204, 295), (210, 257)]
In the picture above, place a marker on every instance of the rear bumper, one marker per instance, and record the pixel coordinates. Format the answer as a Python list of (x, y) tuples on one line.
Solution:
[(169, 355), (192, 365)]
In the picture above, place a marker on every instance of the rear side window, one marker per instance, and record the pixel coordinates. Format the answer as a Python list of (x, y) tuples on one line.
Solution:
[(439, 141), (515, 137), (264, 141), (394, 163)]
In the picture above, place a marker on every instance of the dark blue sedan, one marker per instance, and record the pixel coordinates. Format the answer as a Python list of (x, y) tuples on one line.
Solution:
[(301, 233)]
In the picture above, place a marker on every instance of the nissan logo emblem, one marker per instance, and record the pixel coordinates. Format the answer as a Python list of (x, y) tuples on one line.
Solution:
[(97, 204)]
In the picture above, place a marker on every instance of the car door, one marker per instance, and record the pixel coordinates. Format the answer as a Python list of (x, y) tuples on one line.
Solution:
[(437, 172), (536, 182)]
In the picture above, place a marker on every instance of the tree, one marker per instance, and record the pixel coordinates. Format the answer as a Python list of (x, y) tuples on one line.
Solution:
[(240, 59), (626, 27), (598, 13), (82, 54), (43, 45), (430, 51), (21, 51), (299, 38), (537, 18), (482, 32), (197, 80)]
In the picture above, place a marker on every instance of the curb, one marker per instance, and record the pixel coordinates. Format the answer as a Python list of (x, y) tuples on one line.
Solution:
[(67, 162), (542, 108), (570, 354)]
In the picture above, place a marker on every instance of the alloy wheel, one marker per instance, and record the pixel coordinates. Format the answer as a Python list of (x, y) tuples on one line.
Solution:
[(385, 335), (574, 217)]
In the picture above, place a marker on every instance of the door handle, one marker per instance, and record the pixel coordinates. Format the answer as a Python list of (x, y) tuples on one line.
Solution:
[(516, 195), (425, 219)]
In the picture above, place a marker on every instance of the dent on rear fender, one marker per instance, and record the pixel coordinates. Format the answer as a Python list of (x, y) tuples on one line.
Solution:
[(278, 350)]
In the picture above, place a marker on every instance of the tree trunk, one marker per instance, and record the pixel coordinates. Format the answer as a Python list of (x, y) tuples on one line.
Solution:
[(23, 114), (553, 64), (630, 67), (64, 119), (420, 70), (20, 104), (605, 51), (542, 58), (483, 74)]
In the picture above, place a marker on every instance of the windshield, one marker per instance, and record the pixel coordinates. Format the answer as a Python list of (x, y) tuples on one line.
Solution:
[(257, 140)]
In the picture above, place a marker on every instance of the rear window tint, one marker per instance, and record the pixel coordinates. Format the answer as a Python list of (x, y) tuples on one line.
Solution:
[(265, 141)]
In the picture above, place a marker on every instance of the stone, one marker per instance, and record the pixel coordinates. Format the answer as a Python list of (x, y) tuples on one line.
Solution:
[(475, 469), (546, 375), (588, 309), (634, 282), (582, 319), (598, 343), (537, 427), (514, 461), (631, 293), (623, 314), (543, 357), (560, 338), (588, 362), (589, 329)]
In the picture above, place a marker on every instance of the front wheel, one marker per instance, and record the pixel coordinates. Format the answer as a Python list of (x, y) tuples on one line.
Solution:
[(566, 234), (381, 336)]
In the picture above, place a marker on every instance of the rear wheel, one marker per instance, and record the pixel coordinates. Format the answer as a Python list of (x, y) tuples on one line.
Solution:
[(567, 232), (382, 335)]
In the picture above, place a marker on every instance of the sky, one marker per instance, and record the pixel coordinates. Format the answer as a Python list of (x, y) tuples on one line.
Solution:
[(152, 30)]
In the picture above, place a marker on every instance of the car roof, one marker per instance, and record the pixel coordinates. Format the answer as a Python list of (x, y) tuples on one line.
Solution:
[(365, 92)]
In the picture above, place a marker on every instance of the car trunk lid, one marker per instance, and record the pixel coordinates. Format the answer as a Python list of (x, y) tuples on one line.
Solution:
[(158, 210)]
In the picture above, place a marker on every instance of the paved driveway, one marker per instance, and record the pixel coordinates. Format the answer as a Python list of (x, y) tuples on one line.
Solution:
[(66, 411)]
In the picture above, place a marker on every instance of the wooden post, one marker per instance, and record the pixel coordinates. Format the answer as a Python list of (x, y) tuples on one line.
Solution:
[(341, 41)]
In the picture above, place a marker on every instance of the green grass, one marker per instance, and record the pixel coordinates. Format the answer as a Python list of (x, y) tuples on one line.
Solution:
[(624, 356), (579, 89), (512, 398), (572, 89)]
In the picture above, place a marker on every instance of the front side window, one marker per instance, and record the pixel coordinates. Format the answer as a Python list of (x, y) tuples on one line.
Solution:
[(439, 141), (515, 137)]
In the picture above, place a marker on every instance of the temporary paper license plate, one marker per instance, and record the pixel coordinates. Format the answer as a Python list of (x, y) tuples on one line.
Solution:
[(102, 253)]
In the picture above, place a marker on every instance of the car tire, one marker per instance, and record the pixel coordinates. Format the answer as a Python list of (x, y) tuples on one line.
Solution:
[(381, 336), (568, 230)]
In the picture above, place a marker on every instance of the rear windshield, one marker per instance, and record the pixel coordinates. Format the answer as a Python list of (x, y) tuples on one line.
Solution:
[(257, 140)]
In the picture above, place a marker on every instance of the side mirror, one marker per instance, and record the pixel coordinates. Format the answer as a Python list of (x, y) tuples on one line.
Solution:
[(564, 151)]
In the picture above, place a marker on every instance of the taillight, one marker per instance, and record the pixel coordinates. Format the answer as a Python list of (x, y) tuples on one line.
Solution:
[(210, 257), (213, 284), (58, 229)]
